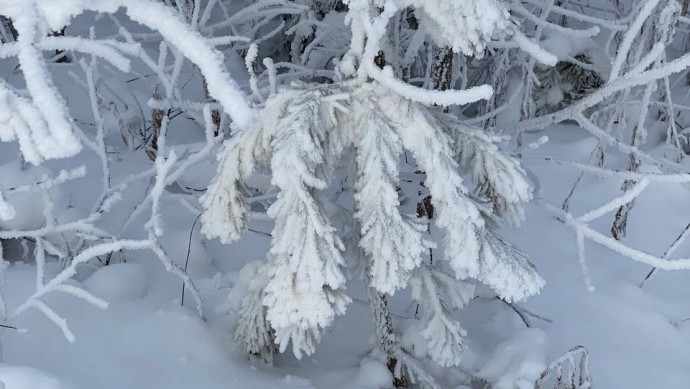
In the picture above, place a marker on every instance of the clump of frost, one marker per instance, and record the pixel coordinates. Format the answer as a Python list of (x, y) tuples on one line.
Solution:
[(466, 26)]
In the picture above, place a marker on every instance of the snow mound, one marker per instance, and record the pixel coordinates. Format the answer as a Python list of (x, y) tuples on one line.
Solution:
[(372, 374), (249, 278), (20, 377), (119, 282), (518, 362), (23, 210)]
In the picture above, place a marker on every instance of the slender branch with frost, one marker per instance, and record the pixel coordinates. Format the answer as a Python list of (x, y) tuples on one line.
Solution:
[(614, 245), (43, 126), (45, 129)]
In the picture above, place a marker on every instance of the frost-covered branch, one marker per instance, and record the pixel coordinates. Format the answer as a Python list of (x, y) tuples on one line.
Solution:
[(43, 124), (581, 227)]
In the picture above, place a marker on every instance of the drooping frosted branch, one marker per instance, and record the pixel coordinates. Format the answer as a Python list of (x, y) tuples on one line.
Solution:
[(394, 242), (305, 290), (225, 207), (500, 177), (437, 295), (471, 246)]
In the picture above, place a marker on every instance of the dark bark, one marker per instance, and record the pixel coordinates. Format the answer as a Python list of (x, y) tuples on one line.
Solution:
[(9, 26), (443, 68), (383, 326), (60, 55)]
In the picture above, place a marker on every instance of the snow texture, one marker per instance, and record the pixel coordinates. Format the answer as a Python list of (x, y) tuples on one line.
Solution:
[(118, 282), (20, 377)]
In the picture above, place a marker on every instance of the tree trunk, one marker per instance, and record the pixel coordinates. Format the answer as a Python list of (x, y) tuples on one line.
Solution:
[(385, 333)]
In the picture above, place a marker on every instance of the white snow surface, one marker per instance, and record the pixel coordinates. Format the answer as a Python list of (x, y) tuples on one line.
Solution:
[(637, 338), (517, 362), (21, 377), (119, 281), (26, 208)]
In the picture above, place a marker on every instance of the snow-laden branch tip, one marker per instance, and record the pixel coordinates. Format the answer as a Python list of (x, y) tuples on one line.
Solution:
[(582, 259), (428, 97), (532, 48)]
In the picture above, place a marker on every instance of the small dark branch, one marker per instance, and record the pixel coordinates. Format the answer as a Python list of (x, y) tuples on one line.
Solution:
[(668, 252), (259, 232), (425, 208), (380, 59), (60, 55), (189, 250), (12, 328), (215, 114), (190, 189), (9, 26), (157, 116), (515, 309), (620, 222), (534, 315)]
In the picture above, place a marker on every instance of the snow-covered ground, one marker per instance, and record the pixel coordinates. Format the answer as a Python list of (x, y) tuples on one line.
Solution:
[(637, 338)]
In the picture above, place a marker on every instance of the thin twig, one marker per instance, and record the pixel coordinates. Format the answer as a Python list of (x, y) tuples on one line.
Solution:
[(189, 250), (669, 251)]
